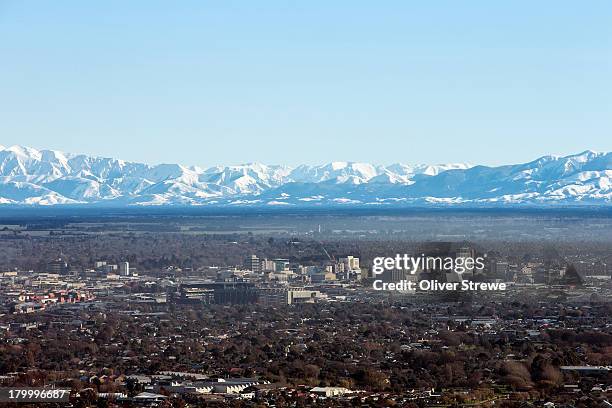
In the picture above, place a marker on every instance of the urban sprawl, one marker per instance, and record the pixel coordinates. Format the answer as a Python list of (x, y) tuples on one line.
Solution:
[(310, 331)]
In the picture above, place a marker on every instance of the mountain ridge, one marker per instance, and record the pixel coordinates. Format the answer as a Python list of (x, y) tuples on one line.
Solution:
[(34, 177)]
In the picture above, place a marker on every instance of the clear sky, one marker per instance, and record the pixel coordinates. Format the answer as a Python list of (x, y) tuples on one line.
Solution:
[(288, 82)]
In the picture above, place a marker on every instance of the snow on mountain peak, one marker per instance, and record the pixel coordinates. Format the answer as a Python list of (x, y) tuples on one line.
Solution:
[(30, 176)]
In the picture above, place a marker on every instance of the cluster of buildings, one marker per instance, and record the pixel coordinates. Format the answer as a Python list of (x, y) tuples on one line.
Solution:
[(275, 281), (154, 389), (29, 291), (158, 387), (271, 282), (122, 269), (25, 292), (281, 270)]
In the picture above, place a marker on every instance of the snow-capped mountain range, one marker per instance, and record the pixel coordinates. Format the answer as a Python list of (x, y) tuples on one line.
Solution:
[(46, 177)]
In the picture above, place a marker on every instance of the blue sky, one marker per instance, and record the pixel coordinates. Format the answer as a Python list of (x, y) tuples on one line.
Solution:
[(227, 82)]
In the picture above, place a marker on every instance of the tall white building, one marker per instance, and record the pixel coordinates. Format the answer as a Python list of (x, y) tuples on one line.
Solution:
[(253, 263), (350, 267), (124, 268), (350, 263)]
